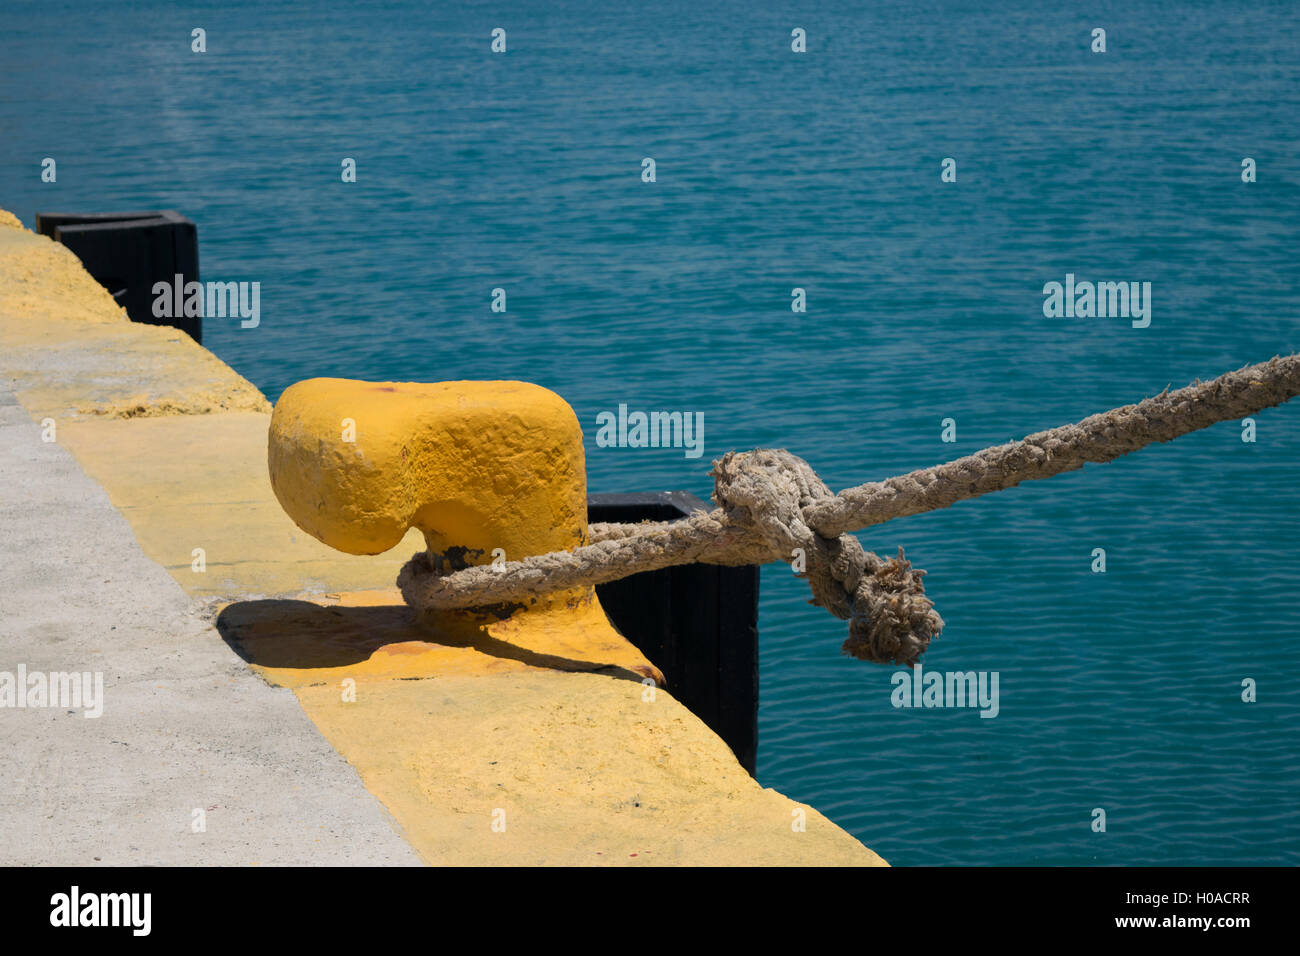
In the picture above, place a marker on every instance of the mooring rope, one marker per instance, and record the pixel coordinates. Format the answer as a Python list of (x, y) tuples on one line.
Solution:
[(773, 507)]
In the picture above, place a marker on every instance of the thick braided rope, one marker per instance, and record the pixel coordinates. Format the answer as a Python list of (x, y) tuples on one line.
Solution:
[(1098, 438), (774, 507)]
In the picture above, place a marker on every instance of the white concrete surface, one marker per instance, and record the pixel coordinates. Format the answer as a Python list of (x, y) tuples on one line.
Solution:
[(186, 725)]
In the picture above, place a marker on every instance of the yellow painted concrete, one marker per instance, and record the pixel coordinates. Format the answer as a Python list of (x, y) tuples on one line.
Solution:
[(582, 769), (199, 481), (541, 716), (70, 352)]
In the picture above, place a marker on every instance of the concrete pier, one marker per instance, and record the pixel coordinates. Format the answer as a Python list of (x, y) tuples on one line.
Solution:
[(282, 687), (185, 725)]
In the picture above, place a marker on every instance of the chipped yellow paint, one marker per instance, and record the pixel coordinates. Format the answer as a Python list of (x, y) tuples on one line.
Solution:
[(69, 351)]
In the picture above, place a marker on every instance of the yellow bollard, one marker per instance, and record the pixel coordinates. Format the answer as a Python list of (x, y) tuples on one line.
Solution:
[(484, 470)]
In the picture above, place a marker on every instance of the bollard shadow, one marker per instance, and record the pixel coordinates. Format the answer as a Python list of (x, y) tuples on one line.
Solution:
[(295, 635)]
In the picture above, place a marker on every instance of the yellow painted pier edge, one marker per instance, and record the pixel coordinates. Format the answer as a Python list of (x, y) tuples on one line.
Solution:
[(528, 740)]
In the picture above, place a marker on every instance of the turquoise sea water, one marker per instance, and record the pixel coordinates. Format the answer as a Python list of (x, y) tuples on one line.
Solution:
[(821, 171)]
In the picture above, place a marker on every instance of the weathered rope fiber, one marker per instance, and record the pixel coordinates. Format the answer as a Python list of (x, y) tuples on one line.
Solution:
[(772, 506)]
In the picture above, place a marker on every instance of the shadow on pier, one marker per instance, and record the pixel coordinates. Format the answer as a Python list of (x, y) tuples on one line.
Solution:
[(296, 640)]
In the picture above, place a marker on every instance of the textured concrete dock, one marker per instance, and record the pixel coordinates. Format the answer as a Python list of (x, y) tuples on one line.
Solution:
[(284, 689)]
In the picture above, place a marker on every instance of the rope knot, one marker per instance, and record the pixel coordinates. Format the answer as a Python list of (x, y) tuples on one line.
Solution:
[(766, 491), (766, 494)]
